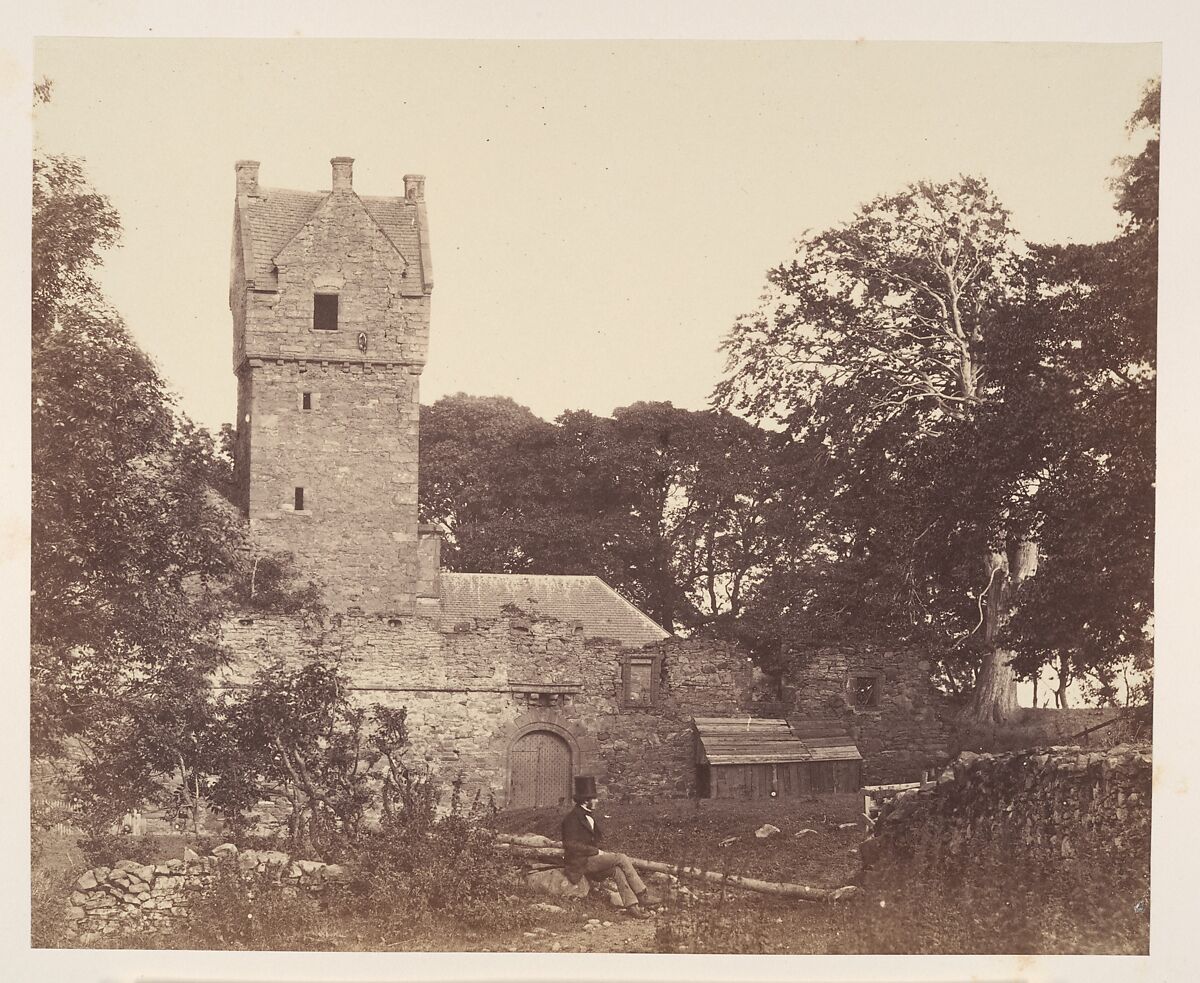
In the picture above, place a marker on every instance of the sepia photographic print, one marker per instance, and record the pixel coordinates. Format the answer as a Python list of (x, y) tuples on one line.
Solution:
[(591, 496)]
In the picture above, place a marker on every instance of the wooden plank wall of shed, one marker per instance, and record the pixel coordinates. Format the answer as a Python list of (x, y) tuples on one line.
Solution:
[(793, 779)]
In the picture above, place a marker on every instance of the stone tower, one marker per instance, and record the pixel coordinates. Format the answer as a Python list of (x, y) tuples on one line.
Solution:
[(330, 294)]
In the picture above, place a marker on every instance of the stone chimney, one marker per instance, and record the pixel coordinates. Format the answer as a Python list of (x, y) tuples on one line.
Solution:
[(429, 561), (414, 187), (343, 173), (247, 177)]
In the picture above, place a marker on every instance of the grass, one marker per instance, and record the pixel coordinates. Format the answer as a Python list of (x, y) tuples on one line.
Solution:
[(993, 907), (692, 831)]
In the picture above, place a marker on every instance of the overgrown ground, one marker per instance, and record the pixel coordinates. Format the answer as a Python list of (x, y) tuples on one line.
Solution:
[(810, 849), (998, 909)]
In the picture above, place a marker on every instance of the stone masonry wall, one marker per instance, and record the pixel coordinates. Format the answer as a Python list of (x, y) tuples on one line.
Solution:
[(354, 452), (148, 899), (901, 737), (1046, 806), (474, 688)]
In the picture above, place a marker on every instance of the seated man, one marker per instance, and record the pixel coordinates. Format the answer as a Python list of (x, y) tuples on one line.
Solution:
[(581, 836)]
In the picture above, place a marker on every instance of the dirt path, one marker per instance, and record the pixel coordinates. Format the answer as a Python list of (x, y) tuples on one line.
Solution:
[(618, 933)]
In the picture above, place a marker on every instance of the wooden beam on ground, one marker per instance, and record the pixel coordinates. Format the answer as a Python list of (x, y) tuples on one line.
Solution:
[(530, 844)]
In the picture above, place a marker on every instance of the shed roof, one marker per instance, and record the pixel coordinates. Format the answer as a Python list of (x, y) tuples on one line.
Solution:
[(602, 612), (747, 740)]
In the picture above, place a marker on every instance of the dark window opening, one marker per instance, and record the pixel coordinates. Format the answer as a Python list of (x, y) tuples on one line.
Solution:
[(639, 681), (306, 401), (325, 312), (299, 499), (865, 691)]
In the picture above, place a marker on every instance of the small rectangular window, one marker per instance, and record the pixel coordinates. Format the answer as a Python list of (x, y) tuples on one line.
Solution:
[(325, 312), (639, 682), (865, 692), (306, 401), (299, 499)]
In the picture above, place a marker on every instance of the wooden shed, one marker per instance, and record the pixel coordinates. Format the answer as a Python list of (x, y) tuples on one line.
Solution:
[(752, 758)]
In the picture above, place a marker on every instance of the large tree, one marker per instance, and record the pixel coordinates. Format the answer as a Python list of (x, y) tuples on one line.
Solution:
[(870, 351), (1089, 610), (135, 557), (941, 383), (682, 497), (665, 504)]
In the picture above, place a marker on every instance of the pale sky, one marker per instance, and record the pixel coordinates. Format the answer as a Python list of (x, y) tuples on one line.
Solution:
[(545, 294), (600, 212)]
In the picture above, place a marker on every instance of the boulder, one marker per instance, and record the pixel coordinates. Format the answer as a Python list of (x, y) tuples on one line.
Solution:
[(225, 850), (766, 831), (86, 881), (337, 874), (554, 883)]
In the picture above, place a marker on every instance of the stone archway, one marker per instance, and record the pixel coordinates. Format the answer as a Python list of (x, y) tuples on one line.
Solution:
[(543, 755), (540, 770)]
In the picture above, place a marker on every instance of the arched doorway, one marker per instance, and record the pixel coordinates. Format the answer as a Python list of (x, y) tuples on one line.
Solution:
[(540, 770)]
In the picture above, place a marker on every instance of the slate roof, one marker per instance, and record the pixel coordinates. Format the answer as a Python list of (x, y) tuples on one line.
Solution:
[(744, 740), (273, 216), (589, 600)]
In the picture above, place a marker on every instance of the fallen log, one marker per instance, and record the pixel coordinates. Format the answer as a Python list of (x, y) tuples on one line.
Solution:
[(541, 846)]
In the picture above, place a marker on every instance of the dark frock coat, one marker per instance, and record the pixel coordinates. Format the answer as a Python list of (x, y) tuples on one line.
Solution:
[(579, 842)]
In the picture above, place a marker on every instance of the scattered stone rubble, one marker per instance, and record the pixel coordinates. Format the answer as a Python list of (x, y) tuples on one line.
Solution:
[(150, 898)]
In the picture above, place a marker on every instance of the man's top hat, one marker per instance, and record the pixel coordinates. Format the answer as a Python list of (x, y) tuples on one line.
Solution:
[(585, 787)]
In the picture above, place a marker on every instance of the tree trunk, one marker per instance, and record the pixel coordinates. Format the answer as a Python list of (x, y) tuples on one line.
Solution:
[(541, 846), (995, 698), (1064, 679)]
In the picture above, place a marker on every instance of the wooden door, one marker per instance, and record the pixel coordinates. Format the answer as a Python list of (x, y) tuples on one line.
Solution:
[(540, 769)]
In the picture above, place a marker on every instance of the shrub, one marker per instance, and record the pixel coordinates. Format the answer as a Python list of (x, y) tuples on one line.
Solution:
[(246, 910), (420, 866), (104, 849)]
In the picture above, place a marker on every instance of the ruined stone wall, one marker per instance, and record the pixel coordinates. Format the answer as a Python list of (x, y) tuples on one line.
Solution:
[(898, 739), (1047, 806), (473, 688), (149, 899)]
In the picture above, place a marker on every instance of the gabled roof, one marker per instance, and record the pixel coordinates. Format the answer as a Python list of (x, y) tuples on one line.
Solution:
[(272, 217), (588, 600), (747, 741)]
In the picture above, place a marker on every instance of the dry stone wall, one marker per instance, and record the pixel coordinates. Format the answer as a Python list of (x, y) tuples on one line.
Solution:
[(148, 899), (1047, 806)]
